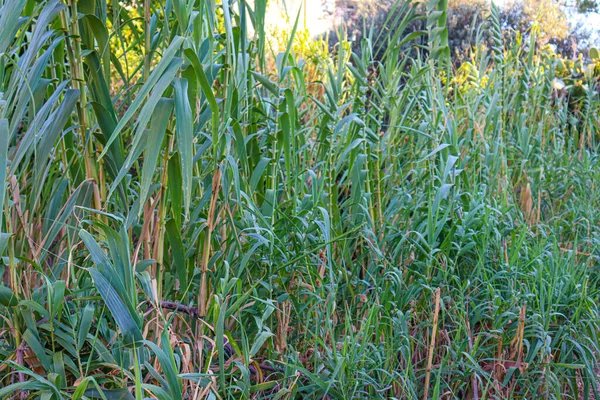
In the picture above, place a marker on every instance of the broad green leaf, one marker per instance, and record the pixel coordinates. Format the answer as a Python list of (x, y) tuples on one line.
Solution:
[(66, 211), (168, 365), (185, 138), (259, 341), (85, 323), (7, 297), (270, 86), (10, 13), (121, 313), (178, 252), (165, 63), (146, 114), (82, 388), (39, 350), (49, 137), (207, 90), (11, 389), (158, 126), (174, 187)]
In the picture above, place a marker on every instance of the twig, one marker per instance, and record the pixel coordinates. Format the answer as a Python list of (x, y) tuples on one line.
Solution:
[(175, 306)]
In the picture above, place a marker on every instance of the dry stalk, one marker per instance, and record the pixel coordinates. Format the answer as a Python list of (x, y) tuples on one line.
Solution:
[(474, 378), (211, 222), (432, 342)]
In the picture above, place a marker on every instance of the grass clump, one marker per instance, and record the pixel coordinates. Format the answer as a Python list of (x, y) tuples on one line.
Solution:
[(219, 221)]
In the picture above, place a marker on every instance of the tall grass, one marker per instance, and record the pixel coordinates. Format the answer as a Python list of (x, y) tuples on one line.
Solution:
[(187, 215)]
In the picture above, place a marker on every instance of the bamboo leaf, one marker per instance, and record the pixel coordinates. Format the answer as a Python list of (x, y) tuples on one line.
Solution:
[(7, 297), (85, 323), (158, 127), (10, 14), (121, 313), (167, 362), (266, 82), (178, 252), (207, 90), (39, 350), (164, 64), (185, 138)]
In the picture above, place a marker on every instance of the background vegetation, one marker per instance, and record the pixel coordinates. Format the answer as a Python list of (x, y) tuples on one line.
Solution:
[(568, 26), (189, 213)]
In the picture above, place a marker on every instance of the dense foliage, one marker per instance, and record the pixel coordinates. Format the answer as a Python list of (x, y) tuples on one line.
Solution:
[(566, 28), (189, 213)]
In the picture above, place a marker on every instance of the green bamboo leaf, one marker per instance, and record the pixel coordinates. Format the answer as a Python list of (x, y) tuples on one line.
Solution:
[(83, 385), (266, 82), (21, 86), (121, 313), (178, 252), (168, 365), (59, 368), (10, 390), (98, 256), (78, 197), (85, 323), (10, 20), (56, 292), (105, 115), (54, 206), (258, 173), (99, 32), (39, 350), (207, 90), (119, 278), (4, 242), (570, 366), (185, 138), (49, 137), (174, 187), (158, 127), (118, 245), (259, 341), (282, 59), (165, 63), (7, 297), (108, 394), (145, 115), (36, 129), (181, 12)]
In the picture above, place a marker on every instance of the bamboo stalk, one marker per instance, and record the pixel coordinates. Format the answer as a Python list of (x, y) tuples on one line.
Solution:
[(70, 24), (474, 385), (520, 335), (432, 342), (203, 295), (147, 40)]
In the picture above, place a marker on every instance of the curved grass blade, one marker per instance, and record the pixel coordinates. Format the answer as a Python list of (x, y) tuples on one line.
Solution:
[(126, 321)]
